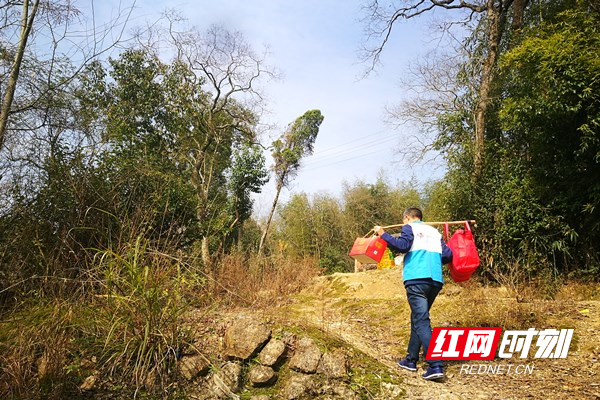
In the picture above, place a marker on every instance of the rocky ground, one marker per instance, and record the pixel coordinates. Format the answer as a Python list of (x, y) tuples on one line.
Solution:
[(368, 311)]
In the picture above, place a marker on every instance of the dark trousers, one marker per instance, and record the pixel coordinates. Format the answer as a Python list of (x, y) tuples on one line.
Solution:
[(420, 298)]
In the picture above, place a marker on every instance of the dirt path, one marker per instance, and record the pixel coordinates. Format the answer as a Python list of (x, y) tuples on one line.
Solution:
[(369, 311)]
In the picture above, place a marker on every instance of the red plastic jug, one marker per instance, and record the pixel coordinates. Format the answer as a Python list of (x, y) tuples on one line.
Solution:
[(465, 258)]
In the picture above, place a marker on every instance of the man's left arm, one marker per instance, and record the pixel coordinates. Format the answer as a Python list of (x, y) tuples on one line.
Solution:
[(446, 253)]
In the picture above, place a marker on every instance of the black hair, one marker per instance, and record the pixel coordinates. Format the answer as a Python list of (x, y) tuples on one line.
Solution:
[(413, 212)]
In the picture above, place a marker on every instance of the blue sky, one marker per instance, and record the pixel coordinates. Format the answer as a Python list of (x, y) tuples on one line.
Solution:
[(315, 44)]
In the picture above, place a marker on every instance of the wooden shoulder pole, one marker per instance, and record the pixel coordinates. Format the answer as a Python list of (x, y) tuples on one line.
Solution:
[(471, 221)]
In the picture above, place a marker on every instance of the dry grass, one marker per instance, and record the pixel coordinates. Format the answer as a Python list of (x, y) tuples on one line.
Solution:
[(478, 305), (126, 326), (35, 348), (579, 291), (260, 281)]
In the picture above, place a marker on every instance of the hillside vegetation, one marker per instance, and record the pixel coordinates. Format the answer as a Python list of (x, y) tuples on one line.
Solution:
[(127, 184)]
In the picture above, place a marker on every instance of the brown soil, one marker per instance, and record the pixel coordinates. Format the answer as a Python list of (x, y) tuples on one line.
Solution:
[(369, 311)]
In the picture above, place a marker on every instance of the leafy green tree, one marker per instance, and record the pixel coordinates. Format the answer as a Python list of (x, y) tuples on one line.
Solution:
[(379, 203), (522, 100), (188, 164), (189, 121), (313, 228), (435, 203), (223, 71), (247, 175), (331, 243), (550, 117), (366, 205), (142, 148), (295, 227), (529, 199), (293, 145)]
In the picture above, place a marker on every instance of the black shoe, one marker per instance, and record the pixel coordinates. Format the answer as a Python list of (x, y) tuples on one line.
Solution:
[(409, 365), (433, 373)]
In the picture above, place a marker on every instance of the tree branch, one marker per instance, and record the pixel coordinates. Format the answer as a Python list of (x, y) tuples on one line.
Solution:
[(380, 23)]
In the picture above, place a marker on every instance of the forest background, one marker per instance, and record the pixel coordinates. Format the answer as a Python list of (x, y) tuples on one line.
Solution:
[(127, 182)]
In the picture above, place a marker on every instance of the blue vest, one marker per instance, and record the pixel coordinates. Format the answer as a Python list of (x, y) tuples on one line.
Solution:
[(424, 259)]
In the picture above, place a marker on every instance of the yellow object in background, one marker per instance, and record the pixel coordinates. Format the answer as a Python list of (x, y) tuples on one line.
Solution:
[(387, 261)]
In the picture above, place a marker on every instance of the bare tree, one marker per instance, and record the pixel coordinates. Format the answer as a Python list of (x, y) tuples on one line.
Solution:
[(433, 91), (40, 37), (28, 17), (383, 16), (229, 71)]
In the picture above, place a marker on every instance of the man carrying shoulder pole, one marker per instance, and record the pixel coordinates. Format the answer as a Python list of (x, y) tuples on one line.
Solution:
[(425, 252)]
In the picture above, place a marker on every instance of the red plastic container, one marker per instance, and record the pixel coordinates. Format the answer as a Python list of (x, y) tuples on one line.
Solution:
[(465, 258), (368, 250)]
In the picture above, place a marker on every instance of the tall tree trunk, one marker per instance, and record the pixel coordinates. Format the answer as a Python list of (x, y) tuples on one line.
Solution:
[(205, 253), (494, 20), (240, 235), (26, 25), (518, 7), (263, 238)]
